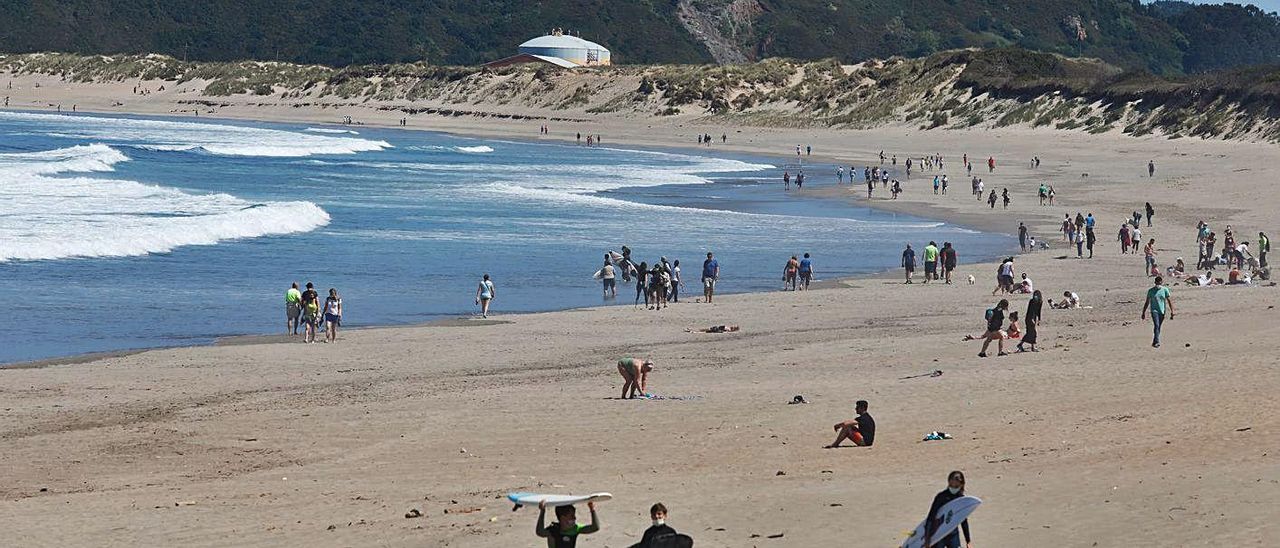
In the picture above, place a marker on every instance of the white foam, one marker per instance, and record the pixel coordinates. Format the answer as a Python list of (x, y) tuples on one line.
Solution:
[(219, 139), (56, 217), (331, 130), (480, 149)]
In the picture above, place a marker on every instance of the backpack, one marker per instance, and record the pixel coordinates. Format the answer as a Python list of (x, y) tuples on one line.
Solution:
[(990, 312)]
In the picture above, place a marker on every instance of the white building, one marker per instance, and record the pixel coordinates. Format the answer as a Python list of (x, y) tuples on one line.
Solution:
[(558, 49)]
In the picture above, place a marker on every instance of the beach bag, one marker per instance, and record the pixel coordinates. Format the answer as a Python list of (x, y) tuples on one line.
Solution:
[(990, 312)]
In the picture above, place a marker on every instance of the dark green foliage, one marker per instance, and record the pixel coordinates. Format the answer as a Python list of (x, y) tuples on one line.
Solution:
[(1163, 38), (342, 32)]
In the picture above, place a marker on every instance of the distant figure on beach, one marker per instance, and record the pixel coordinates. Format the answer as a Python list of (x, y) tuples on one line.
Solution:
[(991, 200), (1070, 299), (710, 273), (1004, 277), (800, 180), (1151, 168), (1033, 322), (930, 262), (1151, 212), (806, 271), (797, 151), (1264, 246), (949, 260), (786, 180), (724, 138), (808, 150), (485, 293), (1022, 237), (310, 313), (1159, 303), (995, 329), (564, 532), (292, 309), (954, 490), (991, 164), (642, 288), (332, 315), (609, 277), (1004, 194), (861, 430), (676, 284), (909, 262), (1149, 253), (635, 376), (840, 174)]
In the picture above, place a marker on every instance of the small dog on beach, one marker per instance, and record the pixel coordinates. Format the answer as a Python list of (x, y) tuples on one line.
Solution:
[(972, 281)]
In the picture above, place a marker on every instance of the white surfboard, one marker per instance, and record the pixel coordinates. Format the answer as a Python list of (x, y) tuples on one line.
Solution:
[(952, 515), (532, 499)]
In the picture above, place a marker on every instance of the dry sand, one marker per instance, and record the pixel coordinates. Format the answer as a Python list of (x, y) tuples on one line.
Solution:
[(1097, 440)]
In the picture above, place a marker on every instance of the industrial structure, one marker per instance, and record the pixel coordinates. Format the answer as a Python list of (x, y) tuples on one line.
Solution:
[(559, 49)]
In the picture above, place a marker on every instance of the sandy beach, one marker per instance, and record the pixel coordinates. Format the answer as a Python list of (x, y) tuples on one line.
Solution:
[(1096, 440)]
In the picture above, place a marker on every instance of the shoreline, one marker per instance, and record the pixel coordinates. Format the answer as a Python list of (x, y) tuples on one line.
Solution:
[(844, 193)]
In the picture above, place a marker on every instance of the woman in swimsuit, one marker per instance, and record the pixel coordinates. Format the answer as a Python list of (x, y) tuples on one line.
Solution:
[(635, 376)]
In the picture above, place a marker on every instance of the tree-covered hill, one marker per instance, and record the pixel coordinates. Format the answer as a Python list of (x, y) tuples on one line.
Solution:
[(1166, 37)]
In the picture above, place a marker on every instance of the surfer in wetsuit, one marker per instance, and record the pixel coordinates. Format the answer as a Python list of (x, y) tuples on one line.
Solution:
[(954, 490), (564, 532)]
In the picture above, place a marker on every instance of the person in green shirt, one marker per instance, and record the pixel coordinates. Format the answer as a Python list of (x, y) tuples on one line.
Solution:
[(564, 532), (930, 262), (292, 309), (1159, 302), (1264, 245)]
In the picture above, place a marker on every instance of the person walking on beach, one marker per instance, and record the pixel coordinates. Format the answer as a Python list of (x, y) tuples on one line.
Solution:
[(710, 273), (332, 315), (676, 284), (1033, 322), (948, 260), (909, 262), (485, 293), (1159, 302), (1264, 245), (1004, 277), (995, 329), (292, 309), (840, 174), (1151, 212), (991, 200), (310, 313), (1004, 195), (1022, 237), (609, 276), (1151, 168), (789, 273), (991, 164), (930, 262), (954, 490), (642, 288), (806, 271), (564, 532), (1149, 252), (1089, 241), (786, 180)]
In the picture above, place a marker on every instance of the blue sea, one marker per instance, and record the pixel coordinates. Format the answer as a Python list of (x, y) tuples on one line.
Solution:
[(126, 232)]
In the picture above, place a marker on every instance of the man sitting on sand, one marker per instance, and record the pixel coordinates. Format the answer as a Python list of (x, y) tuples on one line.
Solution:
[(635, 376), (861, 430)]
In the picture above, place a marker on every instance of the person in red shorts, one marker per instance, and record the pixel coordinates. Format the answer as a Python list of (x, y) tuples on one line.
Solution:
[(861, 430)]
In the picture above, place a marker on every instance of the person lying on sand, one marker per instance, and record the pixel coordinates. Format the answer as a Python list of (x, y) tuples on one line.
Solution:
[(635, 376), (861, 430), (715, 329)]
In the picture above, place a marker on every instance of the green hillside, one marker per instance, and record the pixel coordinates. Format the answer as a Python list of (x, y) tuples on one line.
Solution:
[(1164, 38)]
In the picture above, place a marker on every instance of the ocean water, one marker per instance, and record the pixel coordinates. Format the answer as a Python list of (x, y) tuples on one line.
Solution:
[(124, 232)]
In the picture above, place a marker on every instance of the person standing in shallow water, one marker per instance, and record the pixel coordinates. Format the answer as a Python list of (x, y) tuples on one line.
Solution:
[(485, 294), (292, 309)]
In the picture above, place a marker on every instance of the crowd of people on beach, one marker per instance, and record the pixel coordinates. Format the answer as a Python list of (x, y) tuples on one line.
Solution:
[(659, 284)]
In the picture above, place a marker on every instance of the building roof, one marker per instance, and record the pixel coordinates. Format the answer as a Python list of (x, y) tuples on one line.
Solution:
[(562, 41), (530, 58)]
